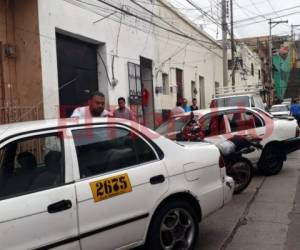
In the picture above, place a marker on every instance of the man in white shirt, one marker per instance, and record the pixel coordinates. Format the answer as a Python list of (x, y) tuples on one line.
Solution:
[(95, 108)]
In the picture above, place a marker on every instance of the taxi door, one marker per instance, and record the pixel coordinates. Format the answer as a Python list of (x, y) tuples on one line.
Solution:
[(247, 123), (216, 127), (37, 195), (120, 178)]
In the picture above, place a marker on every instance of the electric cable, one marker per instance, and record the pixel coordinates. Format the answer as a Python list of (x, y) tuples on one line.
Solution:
[(133, 1)]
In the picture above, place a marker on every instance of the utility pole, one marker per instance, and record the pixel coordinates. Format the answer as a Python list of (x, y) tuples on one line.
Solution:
[(272, 25), (232, 44), (224, 43), (293, 34), (270, 54)]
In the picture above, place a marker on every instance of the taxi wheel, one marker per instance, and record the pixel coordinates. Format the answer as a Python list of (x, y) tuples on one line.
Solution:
[(174, 226), (242, 172), (271, 162)]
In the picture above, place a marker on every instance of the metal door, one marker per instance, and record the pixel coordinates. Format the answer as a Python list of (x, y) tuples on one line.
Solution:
[(77, 72), (147, 92)]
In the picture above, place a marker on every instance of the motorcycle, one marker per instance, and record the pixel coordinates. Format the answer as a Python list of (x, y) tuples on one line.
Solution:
[(237, 166), (232, 151)]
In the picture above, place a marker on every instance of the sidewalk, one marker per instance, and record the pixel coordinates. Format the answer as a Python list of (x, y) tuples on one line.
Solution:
[(262, 217), (293, 239)]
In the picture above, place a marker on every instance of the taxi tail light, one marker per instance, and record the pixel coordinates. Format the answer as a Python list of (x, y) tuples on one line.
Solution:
[(221, 162)]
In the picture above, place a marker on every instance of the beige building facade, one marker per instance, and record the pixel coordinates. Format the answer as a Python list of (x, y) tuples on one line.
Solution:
[(190, 64)]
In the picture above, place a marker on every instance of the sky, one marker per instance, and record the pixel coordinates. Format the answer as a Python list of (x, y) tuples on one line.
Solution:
[(257, 13)]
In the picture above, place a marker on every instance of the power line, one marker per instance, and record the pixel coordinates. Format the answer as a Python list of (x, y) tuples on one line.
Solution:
[(105, 17), (159, 26), (290, 14), (258, 11), (265, 14), (175, 39), (155, 15), (214, 44), (204, 13), (53, 38), (272, 8)]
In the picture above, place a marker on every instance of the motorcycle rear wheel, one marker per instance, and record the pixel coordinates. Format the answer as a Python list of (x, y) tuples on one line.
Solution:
[(242, 172)]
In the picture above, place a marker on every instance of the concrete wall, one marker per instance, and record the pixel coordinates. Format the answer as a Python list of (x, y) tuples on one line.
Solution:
[(20, 74), (82, 21), (196, 58)]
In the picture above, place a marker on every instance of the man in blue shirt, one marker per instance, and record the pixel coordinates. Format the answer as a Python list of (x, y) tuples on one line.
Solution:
[(185, 105), (295, 110)]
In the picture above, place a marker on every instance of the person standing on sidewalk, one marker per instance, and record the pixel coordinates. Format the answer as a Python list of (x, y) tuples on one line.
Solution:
[(185, 105), (194, 105), (95, 108), (122, 111), (295, 110), (178, 109)]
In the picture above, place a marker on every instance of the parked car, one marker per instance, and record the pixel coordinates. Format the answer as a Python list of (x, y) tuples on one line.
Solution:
[(280, 110), (287, 101), (108, 184), (216, 125), (243, 100)]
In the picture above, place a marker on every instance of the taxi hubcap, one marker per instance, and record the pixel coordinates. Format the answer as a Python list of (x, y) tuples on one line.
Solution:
[(177, 230)]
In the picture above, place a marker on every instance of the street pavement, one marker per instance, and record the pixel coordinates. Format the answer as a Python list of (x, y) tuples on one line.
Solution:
[(266, 216)]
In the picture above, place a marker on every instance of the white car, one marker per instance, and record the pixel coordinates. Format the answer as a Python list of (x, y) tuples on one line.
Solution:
[(106, 184), (280, 110), (219, 124), (287, 101)]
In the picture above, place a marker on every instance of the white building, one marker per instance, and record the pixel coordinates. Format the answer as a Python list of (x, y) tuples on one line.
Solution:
[(62, 50), (88, 46), (188, 68), (149, 54), (247, 70)]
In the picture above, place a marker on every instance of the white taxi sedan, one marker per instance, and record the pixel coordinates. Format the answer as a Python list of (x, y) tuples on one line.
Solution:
[(109, 184), (278, 136)]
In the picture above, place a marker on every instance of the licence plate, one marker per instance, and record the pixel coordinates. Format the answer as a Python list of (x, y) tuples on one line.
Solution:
[(110, 187)]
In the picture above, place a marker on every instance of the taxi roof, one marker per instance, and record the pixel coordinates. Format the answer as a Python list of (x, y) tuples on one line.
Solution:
[(235, 95), (211, 110), (280, 105), (7, 130)]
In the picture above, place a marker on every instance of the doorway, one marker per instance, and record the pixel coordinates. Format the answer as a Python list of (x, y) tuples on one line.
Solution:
[(147, 92), (202, 92), (77, 72), (179, 83), (193, 89)]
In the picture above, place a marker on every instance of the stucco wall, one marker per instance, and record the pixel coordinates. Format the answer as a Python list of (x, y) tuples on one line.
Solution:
[(135, 39), (196, 58)]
